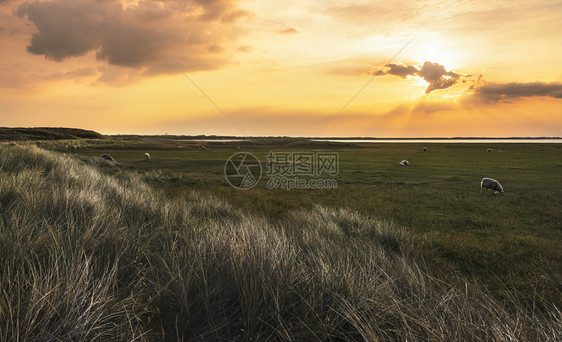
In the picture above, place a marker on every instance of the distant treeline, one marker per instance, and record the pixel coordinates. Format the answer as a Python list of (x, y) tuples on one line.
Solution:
[(46, 133)]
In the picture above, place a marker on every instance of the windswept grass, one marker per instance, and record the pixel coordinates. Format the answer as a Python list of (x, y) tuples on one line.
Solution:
[(91, 256)]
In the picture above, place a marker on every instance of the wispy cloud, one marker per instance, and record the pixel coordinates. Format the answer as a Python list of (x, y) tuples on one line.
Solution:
[(74, 74), (245, 48), (290, 30)]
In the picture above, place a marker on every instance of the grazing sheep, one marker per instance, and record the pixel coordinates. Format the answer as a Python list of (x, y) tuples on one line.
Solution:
[(203, 147), (107, 157), (425, 149), (492, 184), (489, 150), (404, 163), (147, 156)]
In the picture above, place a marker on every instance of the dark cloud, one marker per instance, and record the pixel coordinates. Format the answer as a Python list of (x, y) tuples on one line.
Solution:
[(433, 73), (66, 28), (480, 92), (188, 31), (437, 77), (399, 70), (491, 92), (289, 30)]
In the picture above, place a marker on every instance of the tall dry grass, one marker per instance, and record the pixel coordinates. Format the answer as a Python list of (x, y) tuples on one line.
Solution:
[(91, 256)]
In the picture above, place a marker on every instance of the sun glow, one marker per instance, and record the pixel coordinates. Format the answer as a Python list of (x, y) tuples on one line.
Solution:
[(434, 48)]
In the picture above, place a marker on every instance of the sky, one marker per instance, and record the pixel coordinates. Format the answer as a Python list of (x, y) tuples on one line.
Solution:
[(284, 68)]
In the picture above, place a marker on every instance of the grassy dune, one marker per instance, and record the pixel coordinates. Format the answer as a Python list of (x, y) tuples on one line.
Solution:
[(509, 243), (87, 255), (46, 133)]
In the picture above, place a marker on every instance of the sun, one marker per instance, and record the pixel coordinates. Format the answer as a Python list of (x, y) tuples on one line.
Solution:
[(434, 48)]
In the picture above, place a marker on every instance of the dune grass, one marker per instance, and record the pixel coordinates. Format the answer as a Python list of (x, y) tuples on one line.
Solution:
[(509, 243), (91, 255)]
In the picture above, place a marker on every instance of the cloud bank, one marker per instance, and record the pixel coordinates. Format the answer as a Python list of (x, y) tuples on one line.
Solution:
[(190, 31), (433, 73), (492, 92), (480, 92)]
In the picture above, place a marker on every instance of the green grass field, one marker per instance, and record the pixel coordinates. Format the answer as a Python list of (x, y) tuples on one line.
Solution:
[(166, 250), (510, 243)]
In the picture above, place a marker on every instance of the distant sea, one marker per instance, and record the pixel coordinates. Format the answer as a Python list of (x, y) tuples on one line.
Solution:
[(398, 140), (464, 141)]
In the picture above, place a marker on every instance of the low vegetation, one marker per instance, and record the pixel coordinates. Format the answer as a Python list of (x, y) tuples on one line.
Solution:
[(509, 243), (90, 252), (46, 133)]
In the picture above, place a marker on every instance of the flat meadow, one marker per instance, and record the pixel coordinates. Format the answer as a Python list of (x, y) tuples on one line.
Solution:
[(166, 249), (509, 242)]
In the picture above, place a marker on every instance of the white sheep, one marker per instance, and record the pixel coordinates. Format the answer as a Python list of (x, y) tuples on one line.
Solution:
[(404, 163), (146, 156), (489, 150), (203, 148), (425, 149), (492, 184)]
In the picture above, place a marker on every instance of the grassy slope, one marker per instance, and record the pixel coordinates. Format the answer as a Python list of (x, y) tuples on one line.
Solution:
[(45, 133), (91, 256), (509, 243)]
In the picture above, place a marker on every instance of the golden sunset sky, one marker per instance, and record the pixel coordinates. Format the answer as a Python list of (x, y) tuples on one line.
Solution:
[(467, 68)]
